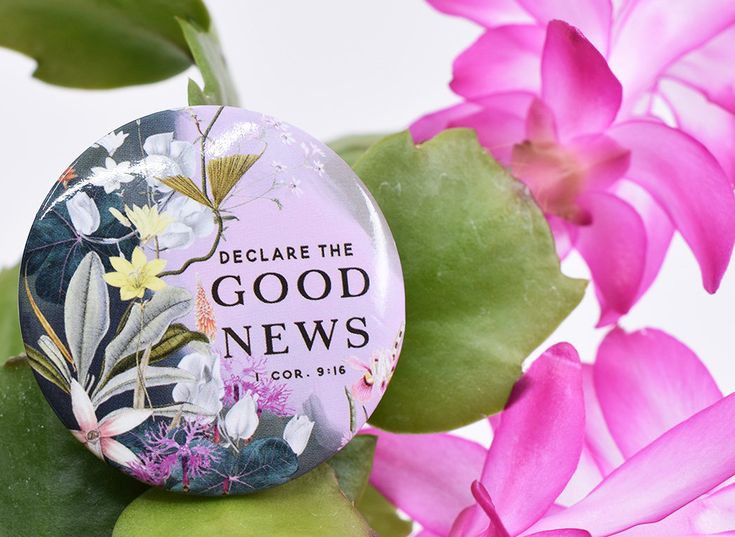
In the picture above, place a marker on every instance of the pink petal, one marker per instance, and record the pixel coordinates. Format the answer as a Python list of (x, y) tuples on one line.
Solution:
[(503, 59), (481, 520), (602, 159), (122, 420), (500, 124), (585, 478), (557, 174), (652, 34), (561, 533), (499, 121), (593, 17), (565, 235), (686, 180), (116, 452), (484, 12), (469, 523), (614, 247), (432, 124), (362, 391), (428, 476), (647, 382), (541, 123), (537, 446), (598, 440), (678, 467), (577, 83), (82, 408), (707, 122), (712, 514), (702, 69), (659, 232)]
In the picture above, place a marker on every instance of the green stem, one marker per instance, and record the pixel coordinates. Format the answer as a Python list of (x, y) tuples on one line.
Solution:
[(205, 257), (205, 134)]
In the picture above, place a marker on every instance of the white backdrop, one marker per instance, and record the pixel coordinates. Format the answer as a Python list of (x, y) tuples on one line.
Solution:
[(332, 68)]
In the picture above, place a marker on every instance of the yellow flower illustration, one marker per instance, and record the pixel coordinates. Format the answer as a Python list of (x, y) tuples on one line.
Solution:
[(135, 276), (147, 220)]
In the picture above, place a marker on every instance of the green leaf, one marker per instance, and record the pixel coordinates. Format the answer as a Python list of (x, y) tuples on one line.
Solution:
[(483, 284), (352, 465), (311, 505), (10, 341), (146, 326), (218, 86), (51, 484), (93, 44), (175, 337), (43, 367), (382, 515), (351, 148)]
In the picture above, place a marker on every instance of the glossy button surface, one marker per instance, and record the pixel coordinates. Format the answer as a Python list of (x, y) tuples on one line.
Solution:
[(211, 300)]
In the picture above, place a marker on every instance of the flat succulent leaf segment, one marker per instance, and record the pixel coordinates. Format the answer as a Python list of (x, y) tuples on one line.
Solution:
[(483, 283)]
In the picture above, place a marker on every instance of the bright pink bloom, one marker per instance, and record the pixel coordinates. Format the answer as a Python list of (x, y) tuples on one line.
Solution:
[(613, 181), (654, 434)]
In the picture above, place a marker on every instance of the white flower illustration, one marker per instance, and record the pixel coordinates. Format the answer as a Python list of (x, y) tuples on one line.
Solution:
[(166, 157), (274, 123), (112, 175), (207, 389), (311, 149), (287, 138), (190, 220), (85, 217), (318, 167), (294, 187), (111, 142), (297, 433), (242, 419)]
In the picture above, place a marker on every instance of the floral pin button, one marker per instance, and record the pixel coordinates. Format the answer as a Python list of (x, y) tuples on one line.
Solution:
[(211, 300)]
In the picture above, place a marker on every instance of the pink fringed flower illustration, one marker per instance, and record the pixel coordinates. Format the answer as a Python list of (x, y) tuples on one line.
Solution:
[(206, 322), (168, 448), (239, 378)]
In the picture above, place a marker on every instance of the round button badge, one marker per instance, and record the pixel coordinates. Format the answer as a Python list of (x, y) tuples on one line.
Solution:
[(211, 300)]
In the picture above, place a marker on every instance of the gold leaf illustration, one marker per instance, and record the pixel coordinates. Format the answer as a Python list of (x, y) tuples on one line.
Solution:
[(186, 186), (225, 172), (46, 325)]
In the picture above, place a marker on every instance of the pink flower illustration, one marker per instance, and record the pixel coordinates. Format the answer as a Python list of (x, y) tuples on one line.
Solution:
[(249, 376), (166, 448), (375, 375), (98, 435), (614, 172), (640, 444)]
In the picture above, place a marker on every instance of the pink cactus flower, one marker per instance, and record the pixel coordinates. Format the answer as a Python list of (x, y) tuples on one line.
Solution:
[(638, 445), (615, 182)]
